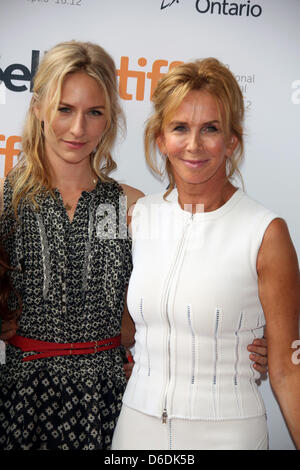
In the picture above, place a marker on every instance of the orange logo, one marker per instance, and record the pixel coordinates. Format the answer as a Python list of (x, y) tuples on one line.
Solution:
[(9, 151), (125, 73)]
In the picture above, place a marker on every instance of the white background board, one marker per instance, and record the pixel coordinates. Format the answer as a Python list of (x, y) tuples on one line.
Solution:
[(260, 45)]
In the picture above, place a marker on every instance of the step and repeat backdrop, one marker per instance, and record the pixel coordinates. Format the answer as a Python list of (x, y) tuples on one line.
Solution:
[(258, 40)]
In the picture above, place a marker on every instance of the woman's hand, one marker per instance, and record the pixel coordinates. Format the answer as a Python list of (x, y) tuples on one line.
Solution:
[(129, 365), (259, 354)]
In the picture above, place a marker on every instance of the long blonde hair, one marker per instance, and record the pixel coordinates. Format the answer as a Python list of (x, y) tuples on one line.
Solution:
[(208, 75), (31, 176)]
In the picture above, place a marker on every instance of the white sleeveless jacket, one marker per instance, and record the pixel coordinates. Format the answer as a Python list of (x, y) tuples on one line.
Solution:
[(193, 295)]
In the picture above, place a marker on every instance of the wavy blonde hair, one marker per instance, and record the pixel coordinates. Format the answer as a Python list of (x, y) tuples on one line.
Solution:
[(31, 176), (208, 75)]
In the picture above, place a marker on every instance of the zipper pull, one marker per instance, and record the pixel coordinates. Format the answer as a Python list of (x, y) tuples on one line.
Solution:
[(164, 416)]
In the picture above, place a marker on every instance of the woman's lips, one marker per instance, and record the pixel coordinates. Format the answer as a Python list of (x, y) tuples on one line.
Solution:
[(194, 163), (73, 144)]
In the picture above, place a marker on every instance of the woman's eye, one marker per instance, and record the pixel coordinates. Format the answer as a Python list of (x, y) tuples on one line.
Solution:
[(95, 112), (209, 129), (64, 109), (180, 128)]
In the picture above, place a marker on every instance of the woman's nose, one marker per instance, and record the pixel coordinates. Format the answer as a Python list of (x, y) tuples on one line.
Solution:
[(194, 143), (78, 125)]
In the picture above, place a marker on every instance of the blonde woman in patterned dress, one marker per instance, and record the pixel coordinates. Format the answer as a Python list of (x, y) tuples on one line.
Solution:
[(63, 380)]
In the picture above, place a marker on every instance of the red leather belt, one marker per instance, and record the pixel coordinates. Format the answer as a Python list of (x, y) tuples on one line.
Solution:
[(45, 349)]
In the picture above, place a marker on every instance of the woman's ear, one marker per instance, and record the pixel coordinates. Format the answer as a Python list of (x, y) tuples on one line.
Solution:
[(160, 142), (37, 112), (232, 145)]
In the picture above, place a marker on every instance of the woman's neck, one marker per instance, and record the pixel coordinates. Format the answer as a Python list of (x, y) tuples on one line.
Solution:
[(204, 197), (73, 177)]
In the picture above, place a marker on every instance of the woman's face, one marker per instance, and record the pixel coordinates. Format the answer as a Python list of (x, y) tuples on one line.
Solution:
[(79, 122), (194, 141)]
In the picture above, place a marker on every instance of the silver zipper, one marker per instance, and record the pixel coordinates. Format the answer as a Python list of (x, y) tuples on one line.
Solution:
[(165, 413), (165, 401)]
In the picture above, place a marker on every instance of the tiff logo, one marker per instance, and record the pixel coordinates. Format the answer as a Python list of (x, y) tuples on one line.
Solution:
[(9, 151), (125, 73)]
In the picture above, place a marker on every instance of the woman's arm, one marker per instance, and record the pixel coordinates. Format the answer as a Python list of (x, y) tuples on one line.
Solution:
[(279, 291), (127, 338), (127, 327), (9, 324)]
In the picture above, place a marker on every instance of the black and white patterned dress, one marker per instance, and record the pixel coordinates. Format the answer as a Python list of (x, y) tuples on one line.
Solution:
[(72, 283)]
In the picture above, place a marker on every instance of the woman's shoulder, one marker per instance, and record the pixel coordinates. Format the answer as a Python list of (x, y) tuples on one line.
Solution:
[(250, 206), (132, 194)]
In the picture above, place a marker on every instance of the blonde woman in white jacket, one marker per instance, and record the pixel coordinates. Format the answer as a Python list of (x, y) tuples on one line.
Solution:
[(212, 267)]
